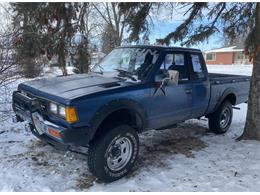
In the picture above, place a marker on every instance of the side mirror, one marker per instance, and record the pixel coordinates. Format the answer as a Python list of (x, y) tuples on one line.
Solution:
[(169, 76), (173, 76)]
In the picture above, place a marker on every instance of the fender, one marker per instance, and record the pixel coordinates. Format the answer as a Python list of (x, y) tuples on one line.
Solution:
[(113, 106), (224, 96)]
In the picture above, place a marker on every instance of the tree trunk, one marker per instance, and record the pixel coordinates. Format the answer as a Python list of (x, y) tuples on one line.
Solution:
[(252, 128), (62, 63), (62, 56)]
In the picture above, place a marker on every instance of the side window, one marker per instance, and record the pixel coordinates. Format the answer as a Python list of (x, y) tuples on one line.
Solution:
[(179, 59), (175, 61), (197, 66), (172, 60), (168, 61)]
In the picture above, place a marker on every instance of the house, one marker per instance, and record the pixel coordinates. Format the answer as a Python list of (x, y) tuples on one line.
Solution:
[(226, 56)]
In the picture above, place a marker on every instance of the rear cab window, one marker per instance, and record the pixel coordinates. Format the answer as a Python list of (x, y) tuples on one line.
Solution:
[(197, 66)]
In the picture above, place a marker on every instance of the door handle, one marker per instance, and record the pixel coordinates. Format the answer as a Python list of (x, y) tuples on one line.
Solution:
[(188, 91)]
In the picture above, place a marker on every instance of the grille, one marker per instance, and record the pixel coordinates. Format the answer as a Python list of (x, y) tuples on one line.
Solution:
[(43, 104)]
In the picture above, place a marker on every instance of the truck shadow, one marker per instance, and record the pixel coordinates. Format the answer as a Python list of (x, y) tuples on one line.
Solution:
[(158, 146)]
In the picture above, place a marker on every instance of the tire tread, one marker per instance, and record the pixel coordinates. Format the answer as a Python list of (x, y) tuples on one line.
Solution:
[(214, 124)]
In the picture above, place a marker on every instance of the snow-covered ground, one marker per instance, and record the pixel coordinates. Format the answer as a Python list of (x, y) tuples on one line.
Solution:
[(231, 69), (187, 158)]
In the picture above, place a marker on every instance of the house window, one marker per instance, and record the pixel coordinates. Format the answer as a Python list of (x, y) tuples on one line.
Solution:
[(210, 56), (241, 58)]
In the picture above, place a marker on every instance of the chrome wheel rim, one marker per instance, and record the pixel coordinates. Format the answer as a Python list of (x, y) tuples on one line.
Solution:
[(119, 153), (225, 118)]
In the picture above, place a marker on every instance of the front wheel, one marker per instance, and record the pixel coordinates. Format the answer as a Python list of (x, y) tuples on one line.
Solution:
[(113, 154), (220, 120)]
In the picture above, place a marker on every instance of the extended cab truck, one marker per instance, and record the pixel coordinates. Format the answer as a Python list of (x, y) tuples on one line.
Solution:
[(131, 90)]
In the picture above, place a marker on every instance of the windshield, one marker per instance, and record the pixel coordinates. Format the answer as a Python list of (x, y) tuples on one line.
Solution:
[(133, 63)]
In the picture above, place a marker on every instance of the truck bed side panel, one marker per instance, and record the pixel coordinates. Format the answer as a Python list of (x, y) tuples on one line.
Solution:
[(223, 85)]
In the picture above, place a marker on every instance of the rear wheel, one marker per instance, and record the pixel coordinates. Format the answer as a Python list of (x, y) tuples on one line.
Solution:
[(113, 154), (220, 120)]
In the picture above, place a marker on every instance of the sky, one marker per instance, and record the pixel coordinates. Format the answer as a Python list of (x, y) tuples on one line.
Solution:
[(163, 27), (166, 20)]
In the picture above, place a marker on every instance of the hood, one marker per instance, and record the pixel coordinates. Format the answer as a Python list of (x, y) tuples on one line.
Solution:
[(72, 86)]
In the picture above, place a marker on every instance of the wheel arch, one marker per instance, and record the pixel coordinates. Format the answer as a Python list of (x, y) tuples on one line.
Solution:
[(232, 98), (229, 94), (124, 111)]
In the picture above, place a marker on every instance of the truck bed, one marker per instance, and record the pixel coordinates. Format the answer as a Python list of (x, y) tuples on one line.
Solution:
[(222, 84)]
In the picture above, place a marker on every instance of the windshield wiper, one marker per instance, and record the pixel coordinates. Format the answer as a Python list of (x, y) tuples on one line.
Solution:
[(100, 68), (125, 73)]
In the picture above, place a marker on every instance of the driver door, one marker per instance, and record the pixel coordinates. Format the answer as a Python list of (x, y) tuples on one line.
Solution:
[(171, 103)]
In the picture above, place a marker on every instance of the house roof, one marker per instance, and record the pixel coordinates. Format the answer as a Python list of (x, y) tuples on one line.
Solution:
[(226, 49)]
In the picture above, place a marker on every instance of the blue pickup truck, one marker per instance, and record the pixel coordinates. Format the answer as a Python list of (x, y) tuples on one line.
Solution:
[(133, 89)]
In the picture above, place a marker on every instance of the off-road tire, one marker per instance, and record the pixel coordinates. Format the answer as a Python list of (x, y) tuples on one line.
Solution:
[(97, 160), (216, 118)]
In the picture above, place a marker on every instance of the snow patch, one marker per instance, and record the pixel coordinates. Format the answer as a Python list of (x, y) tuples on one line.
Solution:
[(225, 49)]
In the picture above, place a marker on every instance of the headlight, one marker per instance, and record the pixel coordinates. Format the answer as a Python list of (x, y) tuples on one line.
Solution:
[(69, 113), (54, 108), (62, 111)]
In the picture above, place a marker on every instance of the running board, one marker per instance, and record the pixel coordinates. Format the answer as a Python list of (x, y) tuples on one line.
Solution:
[(167, 127)]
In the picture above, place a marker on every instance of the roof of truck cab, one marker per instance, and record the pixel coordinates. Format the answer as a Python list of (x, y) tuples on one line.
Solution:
[(160, 47)]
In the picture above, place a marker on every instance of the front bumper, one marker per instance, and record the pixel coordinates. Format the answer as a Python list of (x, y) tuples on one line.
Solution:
[(25, 107)]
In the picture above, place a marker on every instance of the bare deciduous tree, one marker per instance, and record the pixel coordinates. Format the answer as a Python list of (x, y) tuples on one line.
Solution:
[(113, 19), (9, 71)]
